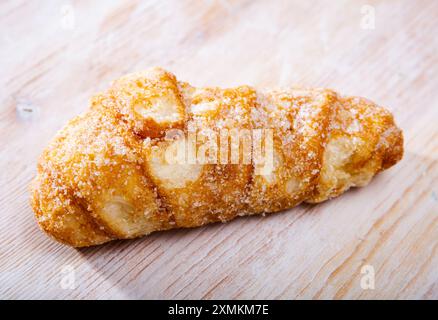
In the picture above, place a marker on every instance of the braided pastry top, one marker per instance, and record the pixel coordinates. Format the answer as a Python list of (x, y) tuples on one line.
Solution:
[(106, 176)]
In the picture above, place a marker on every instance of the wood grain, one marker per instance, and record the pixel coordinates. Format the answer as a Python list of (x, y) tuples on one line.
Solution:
[(51, 62)]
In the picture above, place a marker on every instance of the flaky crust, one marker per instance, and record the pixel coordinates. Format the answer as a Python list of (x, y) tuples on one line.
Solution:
[(104, 176)]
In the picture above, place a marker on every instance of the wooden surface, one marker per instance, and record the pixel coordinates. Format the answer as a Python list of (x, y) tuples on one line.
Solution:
[(55, 55)]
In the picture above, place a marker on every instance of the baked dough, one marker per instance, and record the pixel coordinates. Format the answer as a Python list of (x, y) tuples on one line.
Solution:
[(107, 175)]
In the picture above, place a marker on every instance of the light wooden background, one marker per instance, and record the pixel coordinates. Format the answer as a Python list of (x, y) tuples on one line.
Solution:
[(54, 55)]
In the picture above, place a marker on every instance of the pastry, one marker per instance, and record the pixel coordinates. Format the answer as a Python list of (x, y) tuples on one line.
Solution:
[(153, 153)]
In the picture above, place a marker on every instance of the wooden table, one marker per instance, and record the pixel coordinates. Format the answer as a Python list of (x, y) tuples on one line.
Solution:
[(55, 55)]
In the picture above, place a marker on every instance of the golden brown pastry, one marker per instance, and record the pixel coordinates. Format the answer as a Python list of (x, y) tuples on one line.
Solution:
[(109, 173)]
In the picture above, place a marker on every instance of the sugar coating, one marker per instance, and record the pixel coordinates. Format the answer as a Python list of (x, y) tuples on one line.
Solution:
[(105, 177)]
